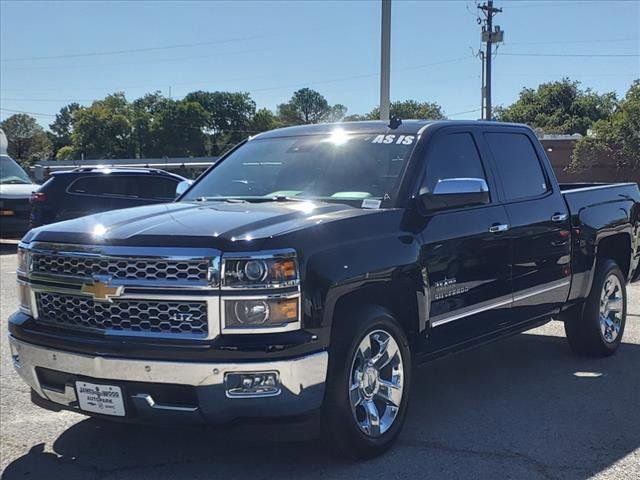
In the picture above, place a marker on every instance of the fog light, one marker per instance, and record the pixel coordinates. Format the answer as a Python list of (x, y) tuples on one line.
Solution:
[(15, 354), (252, 384)]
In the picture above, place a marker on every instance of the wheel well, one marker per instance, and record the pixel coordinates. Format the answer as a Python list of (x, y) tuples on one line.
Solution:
[(617, 248), (401, 303)]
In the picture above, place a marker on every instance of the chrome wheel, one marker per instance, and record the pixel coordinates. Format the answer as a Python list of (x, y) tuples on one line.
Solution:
[(611, 309), (375, 390)]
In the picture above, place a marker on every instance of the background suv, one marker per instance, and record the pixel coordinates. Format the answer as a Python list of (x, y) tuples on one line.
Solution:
[(84, 191)]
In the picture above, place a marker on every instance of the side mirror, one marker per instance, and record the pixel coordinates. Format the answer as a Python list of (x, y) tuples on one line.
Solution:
[(183, 186), (455, 192)]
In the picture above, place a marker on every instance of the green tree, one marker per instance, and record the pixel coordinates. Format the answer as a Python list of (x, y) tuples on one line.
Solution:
[(104, 130), (264, 120), (177, 129), (614, 140), (66, 152), (559, 107), (230, 115), (409, 109), (62, 126), (305, 106), (144, 110), (27, 141)]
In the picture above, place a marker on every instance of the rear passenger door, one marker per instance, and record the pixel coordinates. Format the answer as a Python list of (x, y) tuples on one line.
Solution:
[(466, 261), (538, 223)]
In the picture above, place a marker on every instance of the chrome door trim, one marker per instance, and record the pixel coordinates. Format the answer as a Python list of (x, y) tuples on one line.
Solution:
[(499, 302), (474, 310), (532, 292)]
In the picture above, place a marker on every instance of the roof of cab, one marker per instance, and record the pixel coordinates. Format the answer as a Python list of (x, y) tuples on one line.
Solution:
[(407, 127)]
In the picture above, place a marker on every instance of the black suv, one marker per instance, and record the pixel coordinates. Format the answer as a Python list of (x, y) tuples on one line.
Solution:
[(84, 191)]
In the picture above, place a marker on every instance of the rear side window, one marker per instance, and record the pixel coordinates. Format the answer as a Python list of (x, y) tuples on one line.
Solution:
[(102, 185), (156, 187), (135, 186), (518, 165), (453, 156)]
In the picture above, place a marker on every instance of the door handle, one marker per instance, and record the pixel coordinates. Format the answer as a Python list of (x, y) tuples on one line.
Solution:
[(559, 217), (498, 227)]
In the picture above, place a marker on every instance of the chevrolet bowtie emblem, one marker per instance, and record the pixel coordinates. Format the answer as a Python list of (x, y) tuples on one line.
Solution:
[(101, 291)]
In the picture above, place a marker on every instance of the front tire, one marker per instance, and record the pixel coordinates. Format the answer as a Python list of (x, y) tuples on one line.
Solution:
[(598, 331), (368, 384)]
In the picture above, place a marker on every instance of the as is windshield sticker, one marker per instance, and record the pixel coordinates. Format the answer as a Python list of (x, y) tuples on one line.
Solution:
[(371, 203), (397, 139)]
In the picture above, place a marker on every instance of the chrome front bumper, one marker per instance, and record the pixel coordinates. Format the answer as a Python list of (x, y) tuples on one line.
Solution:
[(301, 382)]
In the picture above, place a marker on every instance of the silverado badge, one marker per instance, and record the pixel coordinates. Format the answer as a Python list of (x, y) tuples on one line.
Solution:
[(101, 290)]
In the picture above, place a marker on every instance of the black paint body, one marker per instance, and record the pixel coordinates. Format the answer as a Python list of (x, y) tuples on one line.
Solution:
[(395, 256)]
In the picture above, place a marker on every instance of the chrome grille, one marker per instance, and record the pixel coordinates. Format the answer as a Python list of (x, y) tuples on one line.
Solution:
[(150, 317), (134, 268)]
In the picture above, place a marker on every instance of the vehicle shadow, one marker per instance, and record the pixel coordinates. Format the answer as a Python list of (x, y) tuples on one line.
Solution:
[(520, 408)]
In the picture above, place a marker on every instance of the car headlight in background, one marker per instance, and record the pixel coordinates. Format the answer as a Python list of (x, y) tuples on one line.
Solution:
[(275, 270), (22, 269), (23, 261), (24, 297)]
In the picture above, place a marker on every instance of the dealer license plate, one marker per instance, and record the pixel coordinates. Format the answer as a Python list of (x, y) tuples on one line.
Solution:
[(104, 399)]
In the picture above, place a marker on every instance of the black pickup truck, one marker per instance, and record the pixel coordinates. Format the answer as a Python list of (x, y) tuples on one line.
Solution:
[(308, 272)]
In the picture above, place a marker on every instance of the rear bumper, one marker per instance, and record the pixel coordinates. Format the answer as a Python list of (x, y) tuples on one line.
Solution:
[(173, 392)]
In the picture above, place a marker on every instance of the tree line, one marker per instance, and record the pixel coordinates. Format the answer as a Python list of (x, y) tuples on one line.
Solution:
[(207, 123)]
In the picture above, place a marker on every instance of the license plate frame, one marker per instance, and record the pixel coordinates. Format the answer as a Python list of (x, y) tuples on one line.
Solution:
[(100, 398)]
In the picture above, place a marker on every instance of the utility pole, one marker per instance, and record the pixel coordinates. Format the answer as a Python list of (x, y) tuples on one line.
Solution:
[(489, 36), (385, 60)]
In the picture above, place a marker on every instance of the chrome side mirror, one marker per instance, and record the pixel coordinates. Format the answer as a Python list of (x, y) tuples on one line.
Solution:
[(455, 193), (182, 187)]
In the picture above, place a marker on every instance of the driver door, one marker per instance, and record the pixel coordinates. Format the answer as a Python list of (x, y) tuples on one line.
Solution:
[(464, 253)]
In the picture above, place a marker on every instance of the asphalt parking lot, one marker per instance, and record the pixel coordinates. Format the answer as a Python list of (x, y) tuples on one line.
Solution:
[(522, 408)]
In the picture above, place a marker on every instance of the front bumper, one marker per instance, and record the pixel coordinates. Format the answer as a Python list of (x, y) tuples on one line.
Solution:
[(169, 391)]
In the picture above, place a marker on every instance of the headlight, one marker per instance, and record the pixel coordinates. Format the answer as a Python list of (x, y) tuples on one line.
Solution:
[(24, 297), (272, 313), (275, 270), (24, 290), (23, 261)]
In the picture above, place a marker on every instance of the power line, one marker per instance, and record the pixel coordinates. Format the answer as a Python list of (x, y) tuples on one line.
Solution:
[(582, 55), (59, 66), (29, 113), (563, 42), (135, 50), (279, 87)]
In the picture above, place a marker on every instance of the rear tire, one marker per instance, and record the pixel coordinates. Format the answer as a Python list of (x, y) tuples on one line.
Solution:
[(368, 384), (596, 330)]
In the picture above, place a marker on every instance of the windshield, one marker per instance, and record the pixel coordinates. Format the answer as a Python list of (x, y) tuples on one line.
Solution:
[(336, 167), (12, 173)]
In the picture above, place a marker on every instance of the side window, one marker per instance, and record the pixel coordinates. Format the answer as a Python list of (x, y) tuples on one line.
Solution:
[(103, 185), (157, 187), (90, 186), (453, 156), (518, 165)]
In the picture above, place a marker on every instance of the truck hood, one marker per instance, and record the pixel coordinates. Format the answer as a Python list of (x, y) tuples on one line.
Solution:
[(194, 224), (17, 191)]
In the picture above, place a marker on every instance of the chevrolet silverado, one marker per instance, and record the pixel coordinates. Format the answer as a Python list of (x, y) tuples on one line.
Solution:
[(307, 273)]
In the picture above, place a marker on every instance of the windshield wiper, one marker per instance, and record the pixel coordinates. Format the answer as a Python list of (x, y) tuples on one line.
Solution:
[(221, 199)]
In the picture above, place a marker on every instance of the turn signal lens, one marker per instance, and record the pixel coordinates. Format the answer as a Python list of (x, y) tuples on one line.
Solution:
[(284, 270), (284, 311)]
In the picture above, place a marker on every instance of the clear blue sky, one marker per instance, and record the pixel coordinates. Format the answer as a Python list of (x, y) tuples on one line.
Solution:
[(271, 49)]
